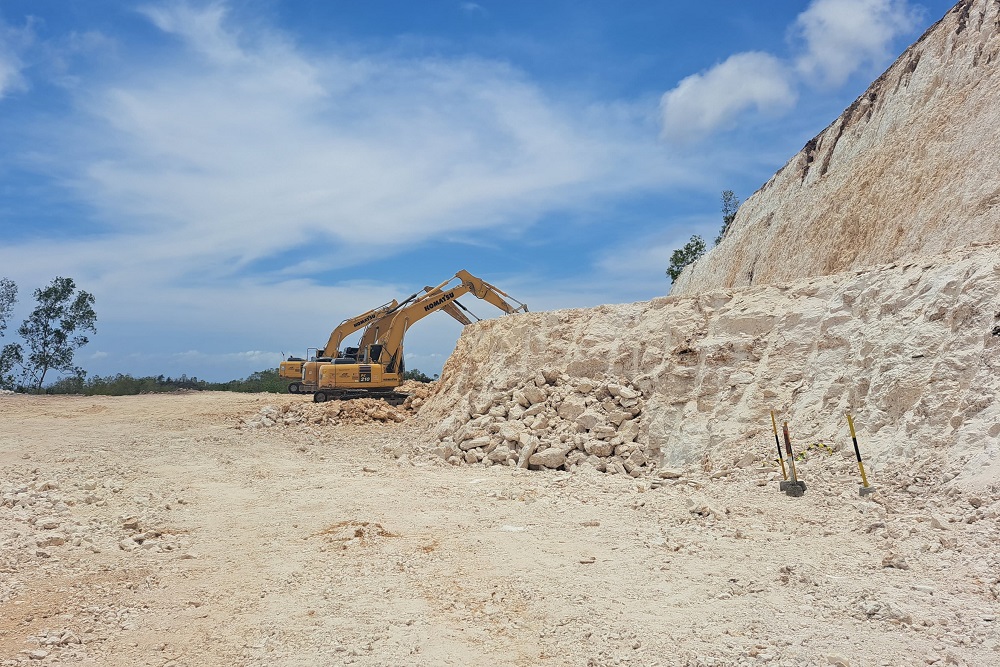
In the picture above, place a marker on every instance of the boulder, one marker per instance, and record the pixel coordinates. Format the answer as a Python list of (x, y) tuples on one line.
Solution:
[(571, 407), (553, 457)]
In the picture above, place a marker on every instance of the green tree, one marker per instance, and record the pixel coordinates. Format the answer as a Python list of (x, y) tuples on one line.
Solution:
[(681, 257), (730, 204), (419, 376), (10, 354), (55, 330)]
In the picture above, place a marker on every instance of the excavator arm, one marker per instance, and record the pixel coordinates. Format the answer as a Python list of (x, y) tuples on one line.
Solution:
[(441, 298), (380, 325), (350, 325)]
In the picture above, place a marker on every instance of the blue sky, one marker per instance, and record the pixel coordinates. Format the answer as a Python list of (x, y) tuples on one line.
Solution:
[(232, 179)]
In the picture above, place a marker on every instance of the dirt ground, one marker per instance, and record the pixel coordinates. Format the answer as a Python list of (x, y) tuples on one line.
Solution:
[(161, 530)]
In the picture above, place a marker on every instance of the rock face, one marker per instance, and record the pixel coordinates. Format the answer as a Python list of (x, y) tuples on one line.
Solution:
[(909, 168), (911, 350)]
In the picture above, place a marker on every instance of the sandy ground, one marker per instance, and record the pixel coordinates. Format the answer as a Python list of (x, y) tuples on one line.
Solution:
[(155, 530)]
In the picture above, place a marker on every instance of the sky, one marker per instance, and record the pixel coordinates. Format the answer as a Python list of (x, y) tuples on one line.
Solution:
[(230, 180)]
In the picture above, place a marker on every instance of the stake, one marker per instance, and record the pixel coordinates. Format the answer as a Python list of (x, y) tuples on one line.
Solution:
[(865, 488), (781, 459), (793, 488)]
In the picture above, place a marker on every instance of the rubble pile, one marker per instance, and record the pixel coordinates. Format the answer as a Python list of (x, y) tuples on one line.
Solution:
[(331, 413), (337, 413), (552, 421)]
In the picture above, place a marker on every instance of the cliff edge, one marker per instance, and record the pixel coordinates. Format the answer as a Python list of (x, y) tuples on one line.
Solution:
[(910, 168)]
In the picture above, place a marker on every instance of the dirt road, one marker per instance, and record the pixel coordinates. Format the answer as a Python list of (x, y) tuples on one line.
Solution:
[(160, 530)]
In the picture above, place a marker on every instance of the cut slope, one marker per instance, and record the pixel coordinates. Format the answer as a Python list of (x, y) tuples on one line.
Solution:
[(909, 168), (909, 349)]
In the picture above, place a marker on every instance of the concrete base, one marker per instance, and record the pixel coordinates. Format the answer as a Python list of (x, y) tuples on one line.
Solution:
[(866, 490), (795, 489), (783, 486)]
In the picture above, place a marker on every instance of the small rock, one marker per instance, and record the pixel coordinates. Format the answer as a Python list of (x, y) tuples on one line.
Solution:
[(51, 541), (939, 522), (627, 394), (534, 394), (896, 561), (837, 660)]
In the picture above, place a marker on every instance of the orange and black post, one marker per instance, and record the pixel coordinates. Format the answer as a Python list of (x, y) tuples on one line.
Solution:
[(865, 489)]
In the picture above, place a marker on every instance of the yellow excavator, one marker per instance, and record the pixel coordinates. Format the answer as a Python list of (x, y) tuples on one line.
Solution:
[(291, 368), (374, 320), (377, 369)]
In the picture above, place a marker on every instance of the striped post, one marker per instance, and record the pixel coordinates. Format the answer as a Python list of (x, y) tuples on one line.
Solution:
[(793, 487), (781, 458), (865, 489)]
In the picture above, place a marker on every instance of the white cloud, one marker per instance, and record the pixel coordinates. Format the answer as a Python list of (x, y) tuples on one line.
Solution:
[(255, 147), (472, 8), (12, 42), (840, 36), (835, 37), (711, 100), (200, 26)]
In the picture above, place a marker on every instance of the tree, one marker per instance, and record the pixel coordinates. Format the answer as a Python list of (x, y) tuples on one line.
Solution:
[(730, 204), (8, 297), (54, 330), (691, 251), (10, 354)]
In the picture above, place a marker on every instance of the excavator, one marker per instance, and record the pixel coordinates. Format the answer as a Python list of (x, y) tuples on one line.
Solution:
[(374, 320), (291, 368), (377, 369)]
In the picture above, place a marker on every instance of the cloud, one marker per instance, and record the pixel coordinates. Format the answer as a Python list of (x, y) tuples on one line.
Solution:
[(199, 26), (707, 101), (472, 8), (835, 38), (259, 148), (840, 36), (13, 41)]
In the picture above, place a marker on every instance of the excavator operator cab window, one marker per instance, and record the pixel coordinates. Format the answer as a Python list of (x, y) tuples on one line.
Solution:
[(374, 352)]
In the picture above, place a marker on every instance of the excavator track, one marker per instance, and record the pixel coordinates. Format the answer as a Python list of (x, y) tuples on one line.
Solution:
[(390, 397)]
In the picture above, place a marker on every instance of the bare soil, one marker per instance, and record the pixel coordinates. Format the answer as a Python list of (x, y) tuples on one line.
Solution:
[(161, 530)]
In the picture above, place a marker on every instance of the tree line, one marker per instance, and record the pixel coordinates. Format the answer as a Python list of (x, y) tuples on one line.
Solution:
[(123, 384)]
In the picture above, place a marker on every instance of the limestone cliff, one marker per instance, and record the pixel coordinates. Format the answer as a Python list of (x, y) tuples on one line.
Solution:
[(911, 167), (913, 350)]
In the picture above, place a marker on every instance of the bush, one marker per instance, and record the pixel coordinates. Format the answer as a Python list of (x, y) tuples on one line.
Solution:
[(691, 251)]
